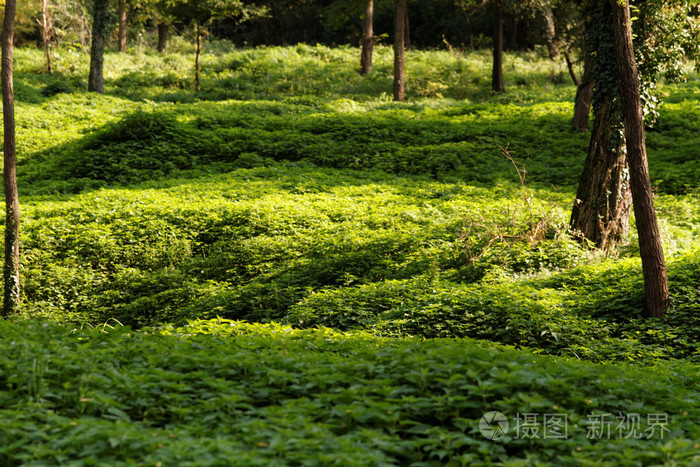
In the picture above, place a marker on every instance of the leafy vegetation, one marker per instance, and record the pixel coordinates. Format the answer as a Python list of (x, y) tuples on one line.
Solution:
[(220, 392), (291, 190)]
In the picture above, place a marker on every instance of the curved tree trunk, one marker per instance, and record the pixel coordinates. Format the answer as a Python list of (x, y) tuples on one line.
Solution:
[(650, 248), (399, 47), (11, 266), (367, 39), (584, 94), (162, 36), (570, 67), (497, 74), (603, 200), (97, 49), (122, 26)]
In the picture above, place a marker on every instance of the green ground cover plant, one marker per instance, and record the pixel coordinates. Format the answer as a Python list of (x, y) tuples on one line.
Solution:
[(292, 190), (221, 392)]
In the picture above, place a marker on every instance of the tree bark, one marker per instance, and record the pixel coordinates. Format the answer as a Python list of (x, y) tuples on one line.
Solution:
[(11, 266), (497, 74), (99, 32), (367, 39), (46, 33), (162, 36), (551, 32), (650, 247), (399, 48), (603, 200), (584, 94), (406, 30), (122, 26), (570, 67), (196, 58)]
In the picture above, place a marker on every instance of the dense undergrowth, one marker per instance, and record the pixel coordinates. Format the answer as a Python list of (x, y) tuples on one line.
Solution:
[(292, 190), (227, 393)]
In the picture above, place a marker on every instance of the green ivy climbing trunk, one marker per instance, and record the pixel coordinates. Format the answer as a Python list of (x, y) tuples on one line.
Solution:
[(603, 202), (11, 266), (650, 247)]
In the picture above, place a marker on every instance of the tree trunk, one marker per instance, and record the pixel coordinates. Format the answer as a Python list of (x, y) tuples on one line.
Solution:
[(570, 67), (122, 26), (99, 32), (162, 36), (551, 33), (584, 94), (367, 39), (603, 200), (406, 30), (11, 266), (650, 247), (497, 75), (196, 58), (399, 48), (46, 33)]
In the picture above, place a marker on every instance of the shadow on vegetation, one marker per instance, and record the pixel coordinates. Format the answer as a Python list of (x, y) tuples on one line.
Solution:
[(461, 142)]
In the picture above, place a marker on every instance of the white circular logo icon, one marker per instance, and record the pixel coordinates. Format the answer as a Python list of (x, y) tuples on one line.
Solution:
[(493, 425)]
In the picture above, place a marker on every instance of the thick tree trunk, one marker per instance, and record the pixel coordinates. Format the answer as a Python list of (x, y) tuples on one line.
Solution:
[(99, 32), (497, 74), (11, 266), (122, 26), (584, 94), (399, 49), (196, 58), (650, 247), (162, 36), (367, 39), (603, 200)]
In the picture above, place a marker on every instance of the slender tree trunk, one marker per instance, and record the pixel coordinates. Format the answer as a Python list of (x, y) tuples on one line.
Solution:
[(497, 75), (584, 94), (367, 39), (11, 267), (570, 67), (162, 36), (196, 58), (650, 247), (406, 30), (551, 33), (46, 33), (97, 49), (122, 26), (603, 200), (399, 55)]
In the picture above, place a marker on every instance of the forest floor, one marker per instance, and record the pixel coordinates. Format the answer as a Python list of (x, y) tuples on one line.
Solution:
[(288, 268)]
